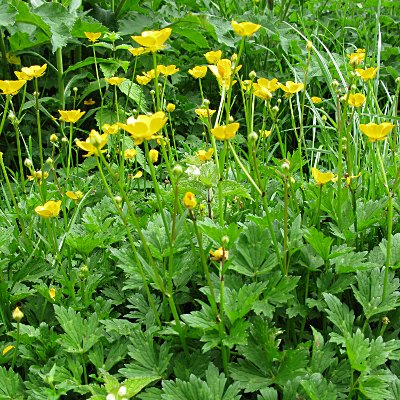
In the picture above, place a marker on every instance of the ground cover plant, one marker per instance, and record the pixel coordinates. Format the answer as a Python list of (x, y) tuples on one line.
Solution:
[(199, 200)]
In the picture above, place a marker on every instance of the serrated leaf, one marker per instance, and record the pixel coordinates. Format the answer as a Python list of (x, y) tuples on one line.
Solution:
[(134, 92), (268, 394), (339, 314), (369, 291), (234, 189), (317, 388), (375, 386), (394, 251), (11, 387), (320, 243), (251, 254)]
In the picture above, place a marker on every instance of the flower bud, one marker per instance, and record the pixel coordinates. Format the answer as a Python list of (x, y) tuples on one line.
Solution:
[(118, 199), (231, 119), (354, 87), (122, 391), (153, 154), (53, 138), (75, 89), (28, 163), (17, 314), (225, 240), (335, 84), (206, 103), (11, 116), (152, 92), (324, 118), (252, 75), (252, 138), (64, 139), (286, 166), (309, 45), (110, 396), (170, 107), (275, 110), (177, 170)]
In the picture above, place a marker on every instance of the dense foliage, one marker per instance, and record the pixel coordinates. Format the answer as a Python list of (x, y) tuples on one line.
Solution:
[(199, 200)]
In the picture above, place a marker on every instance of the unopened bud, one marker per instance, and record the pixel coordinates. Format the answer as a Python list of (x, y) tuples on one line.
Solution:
[(122, 391), (324, 118), (17, 314), (252, 138), (11, 116), (206, 103), (75, 89), (335, 84), (286, 165), (152, 92), (28, 163), (231, 119), (234, 57), (252, 75), (309, 45), (118, 199), (53, 138), (177, 170), (64, 139), (225, 240), (170, 107), (49, 161), (275, 110)]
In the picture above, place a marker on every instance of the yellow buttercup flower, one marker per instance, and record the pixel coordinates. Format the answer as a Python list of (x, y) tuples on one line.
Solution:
[(189, 200), (198, 71), (144, 127), (357, 57), (150, 74), (11, 87), (28, 73), (53, 138), (71, 115), (321, 177), (167, 70), (138, 175), (115, 80), (316, 100), (356, 99), (38, 175), (220, 254), (130, 153), (264, 88), (49, 209), (213, 57), (264, 133), (7, 349), (376, 132), (93, 144), (245, 28), (225, 132), (92, 36), (291, 87), (74, 195), (142, 79), (223, 71), (138, 51), (153, 154), (204, 112), (52, 293), (89, 102), (367, 73), (153, 40), (110, 129), (204, 155)]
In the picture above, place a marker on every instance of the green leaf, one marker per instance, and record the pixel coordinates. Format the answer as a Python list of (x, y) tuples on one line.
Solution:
[(233, 189), (268, 394), (133, 91), (203, 319), (320, 243), (193, 35), (11, 387), (80, 334), (369, 291), (7, 14), (149, 359), (394, 251), (357, 348), (239, 303), (60, 22), (317, 388), (323, 355), (250, 255), (375, 386), (339, 314)]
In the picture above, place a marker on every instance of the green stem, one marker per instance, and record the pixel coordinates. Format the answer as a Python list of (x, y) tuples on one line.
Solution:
[(285, 225), (16, 348), (5, 112), (3, 51), (39, 125), (60, 78), (69, 149)]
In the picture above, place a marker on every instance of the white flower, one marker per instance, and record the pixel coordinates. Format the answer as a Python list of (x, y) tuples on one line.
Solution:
[(110, 396), (193, 171)]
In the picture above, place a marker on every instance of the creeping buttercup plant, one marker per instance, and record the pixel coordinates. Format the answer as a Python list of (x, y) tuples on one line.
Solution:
[(199, 200)]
